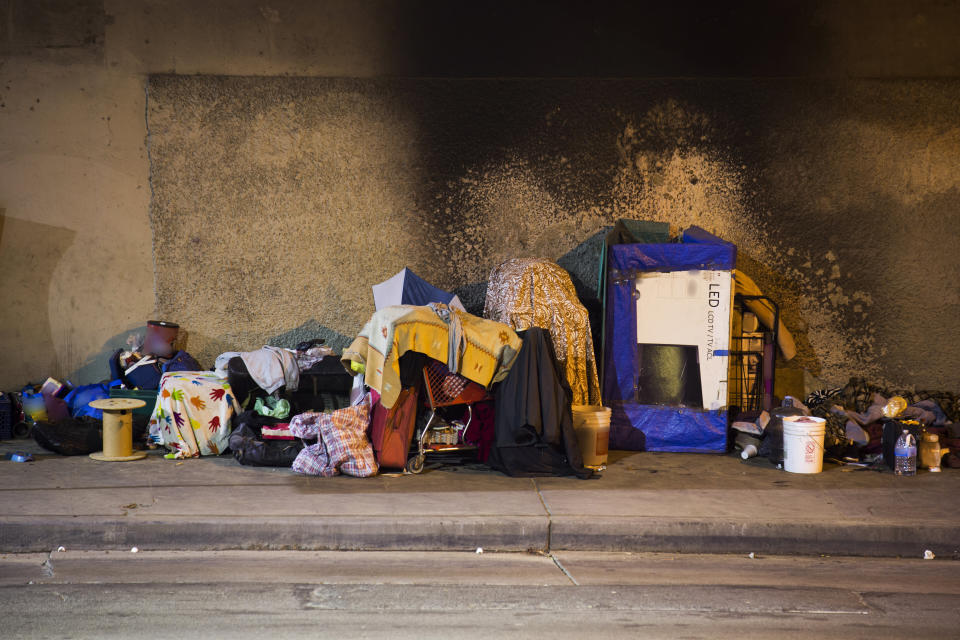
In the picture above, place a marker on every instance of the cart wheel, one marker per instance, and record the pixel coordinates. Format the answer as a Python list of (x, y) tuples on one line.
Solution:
[(415, 464)]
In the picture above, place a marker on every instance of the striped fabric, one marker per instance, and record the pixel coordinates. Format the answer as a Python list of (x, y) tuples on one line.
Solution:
[(342, 445)]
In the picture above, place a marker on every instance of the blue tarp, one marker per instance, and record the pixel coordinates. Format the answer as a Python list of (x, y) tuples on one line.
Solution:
[(418, 291), (649, 427), (406, 287)]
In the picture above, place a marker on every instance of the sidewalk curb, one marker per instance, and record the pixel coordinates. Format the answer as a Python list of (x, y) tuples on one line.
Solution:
[(509, 533), (578, 533), (353, 533)]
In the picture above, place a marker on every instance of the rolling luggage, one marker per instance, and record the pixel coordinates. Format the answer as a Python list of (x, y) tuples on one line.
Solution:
[(391, 430), (323, 387)]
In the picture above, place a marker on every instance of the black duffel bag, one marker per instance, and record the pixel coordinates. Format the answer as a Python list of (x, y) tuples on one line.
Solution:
[(249, 447)]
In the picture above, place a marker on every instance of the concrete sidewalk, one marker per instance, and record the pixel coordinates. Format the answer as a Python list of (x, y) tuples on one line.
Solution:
[(642, 502)]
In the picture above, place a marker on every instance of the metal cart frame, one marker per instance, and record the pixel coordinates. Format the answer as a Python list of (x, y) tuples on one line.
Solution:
[(753, 361), (445, 389)]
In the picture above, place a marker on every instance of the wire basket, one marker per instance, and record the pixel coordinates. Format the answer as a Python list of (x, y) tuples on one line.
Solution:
[(445, 389)]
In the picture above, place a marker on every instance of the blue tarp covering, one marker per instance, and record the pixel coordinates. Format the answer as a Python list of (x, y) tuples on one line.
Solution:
[(406, 287), (418, 291), (661, 428), (647, 427)]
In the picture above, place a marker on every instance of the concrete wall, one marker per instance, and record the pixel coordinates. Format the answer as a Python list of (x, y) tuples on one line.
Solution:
[(75, 261), (822, 138)]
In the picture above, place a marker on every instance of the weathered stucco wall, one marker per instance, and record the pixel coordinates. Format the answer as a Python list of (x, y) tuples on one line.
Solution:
[(841, 192), (283, 200)]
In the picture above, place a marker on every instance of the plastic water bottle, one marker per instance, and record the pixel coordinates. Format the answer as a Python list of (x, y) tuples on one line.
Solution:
[(905, 455)]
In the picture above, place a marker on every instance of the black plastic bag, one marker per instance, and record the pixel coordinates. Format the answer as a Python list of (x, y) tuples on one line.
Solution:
[(71, 437), (771, 446)]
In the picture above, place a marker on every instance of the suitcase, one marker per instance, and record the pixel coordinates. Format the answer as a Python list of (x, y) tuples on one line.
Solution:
[(391, 430), (323, 387)]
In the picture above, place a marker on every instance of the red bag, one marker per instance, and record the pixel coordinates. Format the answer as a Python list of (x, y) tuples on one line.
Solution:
[(391, 430)]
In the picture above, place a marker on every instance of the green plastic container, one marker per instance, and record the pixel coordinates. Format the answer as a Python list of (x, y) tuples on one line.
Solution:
[(147, 395)]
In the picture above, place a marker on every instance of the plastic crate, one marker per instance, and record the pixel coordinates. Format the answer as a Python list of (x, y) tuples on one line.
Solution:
[(6, 417), (149, 396)]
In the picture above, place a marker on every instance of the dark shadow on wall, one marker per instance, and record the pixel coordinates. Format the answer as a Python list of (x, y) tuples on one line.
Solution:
[(29, 253), (28, 26), (96, 368), (451, 176), (566, 38)]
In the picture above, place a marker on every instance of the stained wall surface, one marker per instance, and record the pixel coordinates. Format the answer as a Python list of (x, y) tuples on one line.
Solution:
[(249, 169)]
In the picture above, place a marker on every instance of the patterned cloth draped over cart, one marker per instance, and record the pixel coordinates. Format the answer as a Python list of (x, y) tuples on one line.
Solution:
[(531, 292), (193, 412), (489, 348)]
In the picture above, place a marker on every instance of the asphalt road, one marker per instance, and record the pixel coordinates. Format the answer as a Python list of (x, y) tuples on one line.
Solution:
[(381, 595)]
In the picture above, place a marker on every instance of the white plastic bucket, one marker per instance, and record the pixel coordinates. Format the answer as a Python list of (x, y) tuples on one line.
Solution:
[(591, 423), (803, 444)]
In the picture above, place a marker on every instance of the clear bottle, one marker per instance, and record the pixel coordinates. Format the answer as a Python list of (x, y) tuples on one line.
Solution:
[(905, 455)]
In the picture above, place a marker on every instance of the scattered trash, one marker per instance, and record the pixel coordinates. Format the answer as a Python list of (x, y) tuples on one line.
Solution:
[(928, 555), (747, 444), (479, 550), (19, 456), (132, 505), (894, 407), (134, 550), (47, 565), (752, 423), (60, 549), (752, 555)]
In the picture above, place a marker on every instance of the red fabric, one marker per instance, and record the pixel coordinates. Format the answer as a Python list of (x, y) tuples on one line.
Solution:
[(481, 431)]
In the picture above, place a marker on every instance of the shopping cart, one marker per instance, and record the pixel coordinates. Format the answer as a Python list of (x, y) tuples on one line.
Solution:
[(753, 358), (445, 389)]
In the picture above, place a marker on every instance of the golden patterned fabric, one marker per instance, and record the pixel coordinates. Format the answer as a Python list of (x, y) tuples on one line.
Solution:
[(532, 292)]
